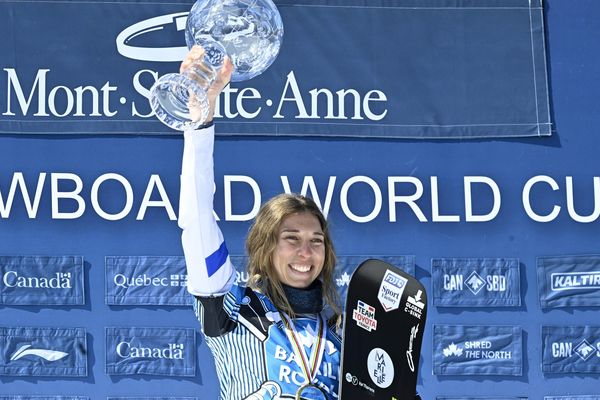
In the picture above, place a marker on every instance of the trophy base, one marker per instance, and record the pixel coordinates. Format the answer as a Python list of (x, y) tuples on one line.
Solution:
[(170, 98)]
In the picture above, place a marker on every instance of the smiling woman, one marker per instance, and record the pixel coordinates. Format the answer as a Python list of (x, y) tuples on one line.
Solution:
[(279, 336), (290, 247)]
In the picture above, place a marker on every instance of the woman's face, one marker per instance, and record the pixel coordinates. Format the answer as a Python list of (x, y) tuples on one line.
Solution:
[(300, 252)]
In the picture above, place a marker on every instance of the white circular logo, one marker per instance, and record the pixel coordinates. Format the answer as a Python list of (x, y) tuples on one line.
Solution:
[(349, 377), (381, 368)]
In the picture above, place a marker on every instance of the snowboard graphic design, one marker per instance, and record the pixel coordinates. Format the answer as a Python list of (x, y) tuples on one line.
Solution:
[(384, 322)]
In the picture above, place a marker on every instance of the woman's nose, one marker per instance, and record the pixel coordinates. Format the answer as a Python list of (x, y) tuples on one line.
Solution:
[(304, 248)]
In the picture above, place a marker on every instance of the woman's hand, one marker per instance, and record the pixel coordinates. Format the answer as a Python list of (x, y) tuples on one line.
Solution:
[(194, 60)]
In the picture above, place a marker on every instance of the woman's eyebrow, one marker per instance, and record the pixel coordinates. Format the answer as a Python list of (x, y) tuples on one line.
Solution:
[(292, 230)]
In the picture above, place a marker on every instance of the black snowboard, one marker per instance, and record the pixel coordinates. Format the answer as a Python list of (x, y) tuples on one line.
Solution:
[(383, 330)]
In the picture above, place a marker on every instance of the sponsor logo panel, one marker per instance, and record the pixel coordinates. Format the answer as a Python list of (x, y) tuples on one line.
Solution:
[(364, 315), (151, 398), (353, 379), (380, 367), (571, 349), (26, 351), (144, 47), (34, 397), (476, 282), (477, 350), (150, 351), (140, 39), (41, 280), (480, 398), (390, 291), (569, 281), (414, 304), (141, 280)]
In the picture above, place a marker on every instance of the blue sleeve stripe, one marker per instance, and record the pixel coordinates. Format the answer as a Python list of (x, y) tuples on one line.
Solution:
[(216, 260)]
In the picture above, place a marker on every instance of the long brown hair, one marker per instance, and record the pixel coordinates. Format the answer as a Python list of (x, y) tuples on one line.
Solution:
[(261, 243)]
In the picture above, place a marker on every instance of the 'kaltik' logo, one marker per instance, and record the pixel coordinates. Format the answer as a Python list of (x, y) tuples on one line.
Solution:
[(475, 282), (46, 354), (575, 280), (364, 315)]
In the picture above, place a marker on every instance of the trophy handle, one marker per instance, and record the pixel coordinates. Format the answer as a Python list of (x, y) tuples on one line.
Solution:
[(180, 101)]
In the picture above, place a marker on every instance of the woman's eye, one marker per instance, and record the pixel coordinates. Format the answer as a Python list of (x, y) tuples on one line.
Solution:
[(317, 241)]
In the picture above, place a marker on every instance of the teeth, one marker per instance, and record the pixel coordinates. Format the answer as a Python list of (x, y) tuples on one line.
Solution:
[(300, 268)]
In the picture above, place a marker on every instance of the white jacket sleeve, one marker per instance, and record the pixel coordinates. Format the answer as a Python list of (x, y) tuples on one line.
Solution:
[(209, 269)]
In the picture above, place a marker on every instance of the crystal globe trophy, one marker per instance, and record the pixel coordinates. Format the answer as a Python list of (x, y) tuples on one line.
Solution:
[(248, 31)]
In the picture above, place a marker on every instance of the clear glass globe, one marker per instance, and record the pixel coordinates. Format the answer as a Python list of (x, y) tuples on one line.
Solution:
[(248, 31)]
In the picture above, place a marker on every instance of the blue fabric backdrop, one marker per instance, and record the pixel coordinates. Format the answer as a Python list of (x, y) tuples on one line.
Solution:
[(84, 191)]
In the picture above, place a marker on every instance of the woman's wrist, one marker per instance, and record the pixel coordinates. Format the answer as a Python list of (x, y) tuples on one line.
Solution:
[(206, 124)]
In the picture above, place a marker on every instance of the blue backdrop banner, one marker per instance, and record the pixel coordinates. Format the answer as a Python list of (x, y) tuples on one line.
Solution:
[(569, 281), (571, 349), (476, 282), (477, 350), (573, 397), (41, 280), (444, 79), (146, 280), (480, 398), (151, 398), (34, 397), (151, 351), (26, 351)]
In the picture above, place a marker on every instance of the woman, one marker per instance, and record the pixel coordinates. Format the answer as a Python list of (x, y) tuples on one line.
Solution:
[(274, 338)]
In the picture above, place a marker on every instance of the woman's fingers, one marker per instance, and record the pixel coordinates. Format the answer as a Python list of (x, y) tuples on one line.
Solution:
[(194, 55)]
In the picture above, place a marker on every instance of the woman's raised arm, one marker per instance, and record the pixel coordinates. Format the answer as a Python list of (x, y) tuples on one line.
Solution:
[(208, 265)]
